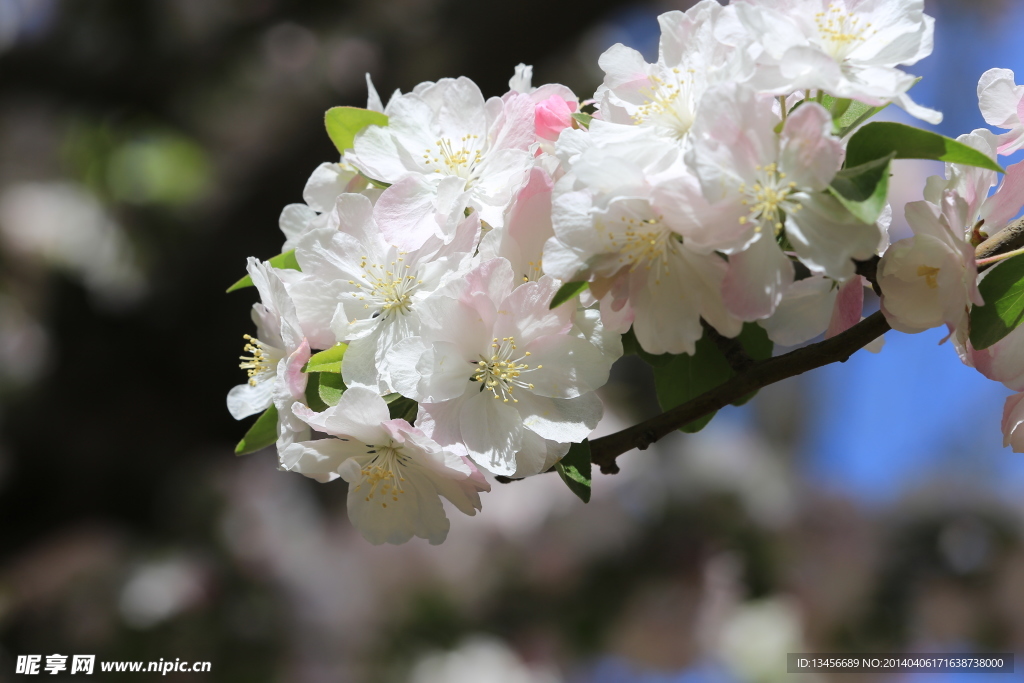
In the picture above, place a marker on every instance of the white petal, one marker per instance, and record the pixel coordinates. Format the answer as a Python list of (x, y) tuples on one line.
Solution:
[(245, 400)]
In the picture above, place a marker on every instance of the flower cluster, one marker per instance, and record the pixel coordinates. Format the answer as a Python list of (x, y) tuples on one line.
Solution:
[(706, 189)]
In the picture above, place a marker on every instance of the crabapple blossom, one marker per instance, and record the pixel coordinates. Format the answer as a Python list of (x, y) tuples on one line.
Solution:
[(771, 184), (495, 369), (664, 96), (991, 210), (847, 48), (930, 279), (276, 356), (396, 474), (708, 190), (450, 141), (358, 288), (639, 267), (327, 182)]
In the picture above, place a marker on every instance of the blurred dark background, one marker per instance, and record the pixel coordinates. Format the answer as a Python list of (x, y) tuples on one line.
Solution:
[(147, 148)]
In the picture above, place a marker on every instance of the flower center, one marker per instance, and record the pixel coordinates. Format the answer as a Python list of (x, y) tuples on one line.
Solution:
[(930, 276), (260, 363), (388, 288), (534, 271), (382, 474), (840, 31), (644, 242), (768, 198), (500, 373), (451, 159), (669, 103)]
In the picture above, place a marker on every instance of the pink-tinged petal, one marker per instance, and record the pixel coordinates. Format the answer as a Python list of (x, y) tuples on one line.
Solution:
[(616, 319), (810, 155), (290, 374), (848, 308), (405, 213), (1006, 203), (492, 431), (624, 67), (491, 281), (757, 279), (440, 421), (358, 415), (1013, 416), (525, 315), (514, 128), (1003, 361)]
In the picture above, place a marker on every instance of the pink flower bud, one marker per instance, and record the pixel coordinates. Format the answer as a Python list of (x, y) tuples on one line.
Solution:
[(552, 116)]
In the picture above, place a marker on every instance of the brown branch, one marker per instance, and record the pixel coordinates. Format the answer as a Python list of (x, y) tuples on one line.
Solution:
[(756, 375), (1009, 238), (735, 355), (759, 374), (605, 450)]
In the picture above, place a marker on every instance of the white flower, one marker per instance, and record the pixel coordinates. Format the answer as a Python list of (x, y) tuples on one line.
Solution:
[(640, 269), (396, 474), (498, 372), (847, 48), (771, 184), (929, 279), (276, 356), (327, 182), (1002, 104), (356, 287), (447, 140), (665, 95), (973, 184)]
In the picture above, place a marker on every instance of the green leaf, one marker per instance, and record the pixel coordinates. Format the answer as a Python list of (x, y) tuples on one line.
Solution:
[(263, 433), (848, 114), (856, 114), (574, 469), (681, 378), (583, 119), (687, 377), (285, 261), (863, 189), (344, 122), (403, 408), (567, 291), (1002, 288), (313, 399), (328, 360), (881, 138), (330, 388), (758, 346)]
